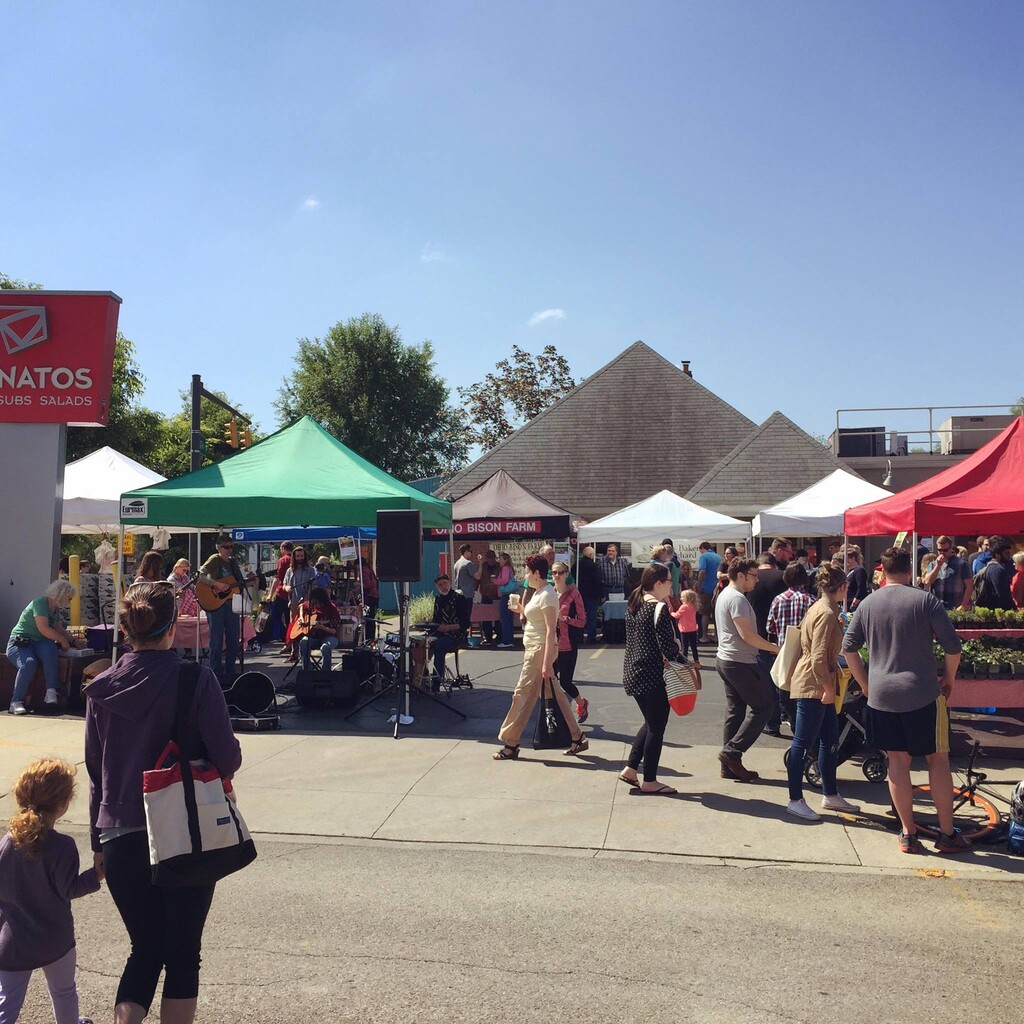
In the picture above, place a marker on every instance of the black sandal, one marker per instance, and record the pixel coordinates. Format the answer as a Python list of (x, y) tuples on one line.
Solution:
[(507, 753), (578, 746)]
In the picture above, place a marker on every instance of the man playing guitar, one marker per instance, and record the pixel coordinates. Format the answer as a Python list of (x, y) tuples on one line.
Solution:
[(215, 572), (319, 620)]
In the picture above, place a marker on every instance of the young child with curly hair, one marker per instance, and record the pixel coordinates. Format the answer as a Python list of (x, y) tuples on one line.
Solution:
[(39, 878)]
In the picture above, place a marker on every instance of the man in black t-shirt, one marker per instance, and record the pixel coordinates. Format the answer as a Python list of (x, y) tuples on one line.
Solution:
[(452, 616), (770, 583), (998, 570)]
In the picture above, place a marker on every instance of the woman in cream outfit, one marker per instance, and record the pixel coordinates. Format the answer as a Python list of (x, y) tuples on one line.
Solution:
[(541, 644)]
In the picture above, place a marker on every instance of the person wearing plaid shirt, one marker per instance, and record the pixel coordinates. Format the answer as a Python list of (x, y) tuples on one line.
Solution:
[(614, 571), (789, 609)]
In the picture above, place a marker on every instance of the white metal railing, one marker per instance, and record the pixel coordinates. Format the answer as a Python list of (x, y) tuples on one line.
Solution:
[(927, 438)]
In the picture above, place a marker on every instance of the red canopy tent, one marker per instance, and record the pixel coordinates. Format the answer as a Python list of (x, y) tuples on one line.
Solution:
[(982, 494)]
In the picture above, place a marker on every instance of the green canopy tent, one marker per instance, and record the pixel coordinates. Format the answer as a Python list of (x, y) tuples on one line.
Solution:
[(298, 476)]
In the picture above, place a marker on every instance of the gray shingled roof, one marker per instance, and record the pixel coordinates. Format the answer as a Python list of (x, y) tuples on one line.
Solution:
[(776, 460), (593, 451)]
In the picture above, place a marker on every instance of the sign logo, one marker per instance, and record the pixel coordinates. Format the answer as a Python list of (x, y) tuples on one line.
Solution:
[(21, 327), (135, 509)]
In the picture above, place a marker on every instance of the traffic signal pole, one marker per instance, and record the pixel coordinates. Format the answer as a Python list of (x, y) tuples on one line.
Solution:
[(197, 442)]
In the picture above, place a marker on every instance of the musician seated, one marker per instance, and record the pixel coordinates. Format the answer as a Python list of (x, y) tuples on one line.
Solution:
[(451, 613), (319, 620)]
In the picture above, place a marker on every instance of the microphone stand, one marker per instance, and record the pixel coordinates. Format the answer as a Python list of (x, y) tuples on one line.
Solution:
[(401, 679)]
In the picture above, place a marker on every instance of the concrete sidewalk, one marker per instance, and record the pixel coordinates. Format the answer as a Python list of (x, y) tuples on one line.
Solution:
[(429, 789)]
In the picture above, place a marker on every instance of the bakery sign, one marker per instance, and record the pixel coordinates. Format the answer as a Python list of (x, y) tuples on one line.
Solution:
[(57, 356)]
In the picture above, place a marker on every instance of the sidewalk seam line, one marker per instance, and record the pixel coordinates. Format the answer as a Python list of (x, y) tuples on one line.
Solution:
[(413, 786)]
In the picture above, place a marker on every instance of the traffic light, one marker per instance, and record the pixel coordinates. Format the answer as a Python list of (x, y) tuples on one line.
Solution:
[(231, 433), (246, 438)]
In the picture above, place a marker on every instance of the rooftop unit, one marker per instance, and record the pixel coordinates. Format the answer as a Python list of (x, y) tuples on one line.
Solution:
[(851, 442), (960, 435)]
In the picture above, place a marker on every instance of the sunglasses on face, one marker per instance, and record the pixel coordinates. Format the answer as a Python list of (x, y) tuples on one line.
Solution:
[(557, 572)]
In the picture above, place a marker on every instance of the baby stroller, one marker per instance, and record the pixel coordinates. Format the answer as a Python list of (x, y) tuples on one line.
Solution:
[(852, 742), (263, 625)]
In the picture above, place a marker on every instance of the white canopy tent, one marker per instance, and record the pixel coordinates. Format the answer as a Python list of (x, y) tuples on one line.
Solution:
[(93, 487), (818, 510), (664, 514)]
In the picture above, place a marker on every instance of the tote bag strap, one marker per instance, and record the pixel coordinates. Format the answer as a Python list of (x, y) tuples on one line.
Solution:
[(185, 734)]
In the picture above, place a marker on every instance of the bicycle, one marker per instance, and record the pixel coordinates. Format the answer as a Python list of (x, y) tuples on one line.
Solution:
[(977, 818)]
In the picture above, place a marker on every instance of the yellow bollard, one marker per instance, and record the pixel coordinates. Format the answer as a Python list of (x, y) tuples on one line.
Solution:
[(75, 579)]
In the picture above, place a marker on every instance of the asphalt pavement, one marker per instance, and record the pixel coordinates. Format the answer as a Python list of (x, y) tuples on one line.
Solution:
[(418, 879)]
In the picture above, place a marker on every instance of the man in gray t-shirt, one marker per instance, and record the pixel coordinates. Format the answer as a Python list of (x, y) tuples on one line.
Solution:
[(906, 715), (462, 574), (749, 693)]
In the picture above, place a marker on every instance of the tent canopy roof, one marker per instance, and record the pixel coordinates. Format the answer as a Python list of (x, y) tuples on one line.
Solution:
[(982, 494), (93, 486), (817, 511), (664, 515), (501, 496), (299, 475)]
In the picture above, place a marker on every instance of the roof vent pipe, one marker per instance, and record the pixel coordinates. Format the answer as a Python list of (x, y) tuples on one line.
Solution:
[(685, 363)]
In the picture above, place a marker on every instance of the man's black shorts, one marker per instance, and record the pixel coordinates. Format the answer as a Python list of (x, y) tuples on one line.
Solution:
[(919, 733)]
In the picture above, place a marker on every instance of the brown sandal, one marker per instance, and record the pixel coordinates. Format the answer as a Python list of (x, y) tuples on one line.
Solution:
[(578, 746), (507, 753)]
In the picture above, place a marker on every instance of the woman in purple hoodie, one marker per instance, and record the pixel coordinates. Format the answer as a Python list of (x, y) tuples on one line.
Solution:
[(129, 719)]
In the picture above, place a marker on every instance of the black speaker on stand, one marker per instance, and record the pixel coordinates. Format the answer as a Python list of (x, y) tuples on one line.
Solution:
[(399, 545), (400, 560)]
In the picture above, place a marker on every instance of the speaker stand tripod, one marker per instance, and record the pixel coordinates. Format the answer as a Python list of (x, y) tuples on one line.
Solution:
[(400, 683)]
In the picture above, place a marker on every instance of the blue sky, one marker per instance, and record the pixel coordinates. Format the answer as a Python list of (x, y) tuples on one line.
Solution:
[(818, 204)]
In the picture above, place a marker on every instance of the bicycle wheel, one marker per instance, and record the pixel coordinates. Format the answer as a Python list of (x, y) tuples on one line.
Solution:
[(974, 815)]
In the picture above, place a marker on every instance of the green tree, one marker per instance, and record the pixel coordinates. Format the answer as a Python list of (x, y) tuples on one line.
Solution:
[(14, 284), (519, 388), (1018, 408), (379, 396), (132, 428)]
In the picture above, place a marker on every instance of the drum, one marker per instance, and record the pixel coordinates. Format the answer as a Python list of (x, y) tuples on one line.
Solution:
[(418, 657)]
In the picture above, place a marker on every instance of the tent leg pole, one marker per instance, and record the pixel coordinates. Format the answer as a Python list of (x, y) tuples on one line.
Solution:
[(117, 595), (913, 557), (846, 600), (199, 611)]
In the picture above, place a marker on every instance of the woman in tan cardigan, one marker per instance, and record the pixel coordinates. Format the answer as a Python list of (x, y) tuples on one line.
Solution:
[(813, 688)]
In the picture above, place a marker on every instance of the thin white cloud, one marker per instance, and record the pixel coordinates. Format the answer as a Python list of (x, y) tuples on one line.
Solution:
[(546, 314), (433, 254), (311, 203)]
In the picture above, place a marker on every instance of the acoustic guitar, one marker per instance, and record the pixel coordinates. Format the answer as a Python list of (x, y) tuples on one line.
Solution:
[(210, 600), (312, 623)]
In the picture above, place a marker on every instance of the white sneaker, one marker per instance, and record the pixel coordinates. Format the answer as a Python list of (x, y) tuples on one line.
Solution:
[(799, 809), (18, 708), (51, 697), (837, 803)]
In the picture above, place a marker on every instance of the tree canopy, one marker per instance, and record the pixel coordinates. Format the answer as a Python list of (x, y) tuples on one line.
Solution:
[(519, 388), (380, 397)]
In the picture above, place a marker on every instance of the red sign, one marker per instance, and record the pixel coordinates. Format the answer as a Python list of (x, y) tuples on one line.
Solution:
[(57, 356)]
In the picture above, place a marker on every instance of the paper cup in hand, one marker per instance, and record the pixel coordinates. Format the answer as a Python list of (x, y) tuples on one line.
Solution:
[(513, 602)]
